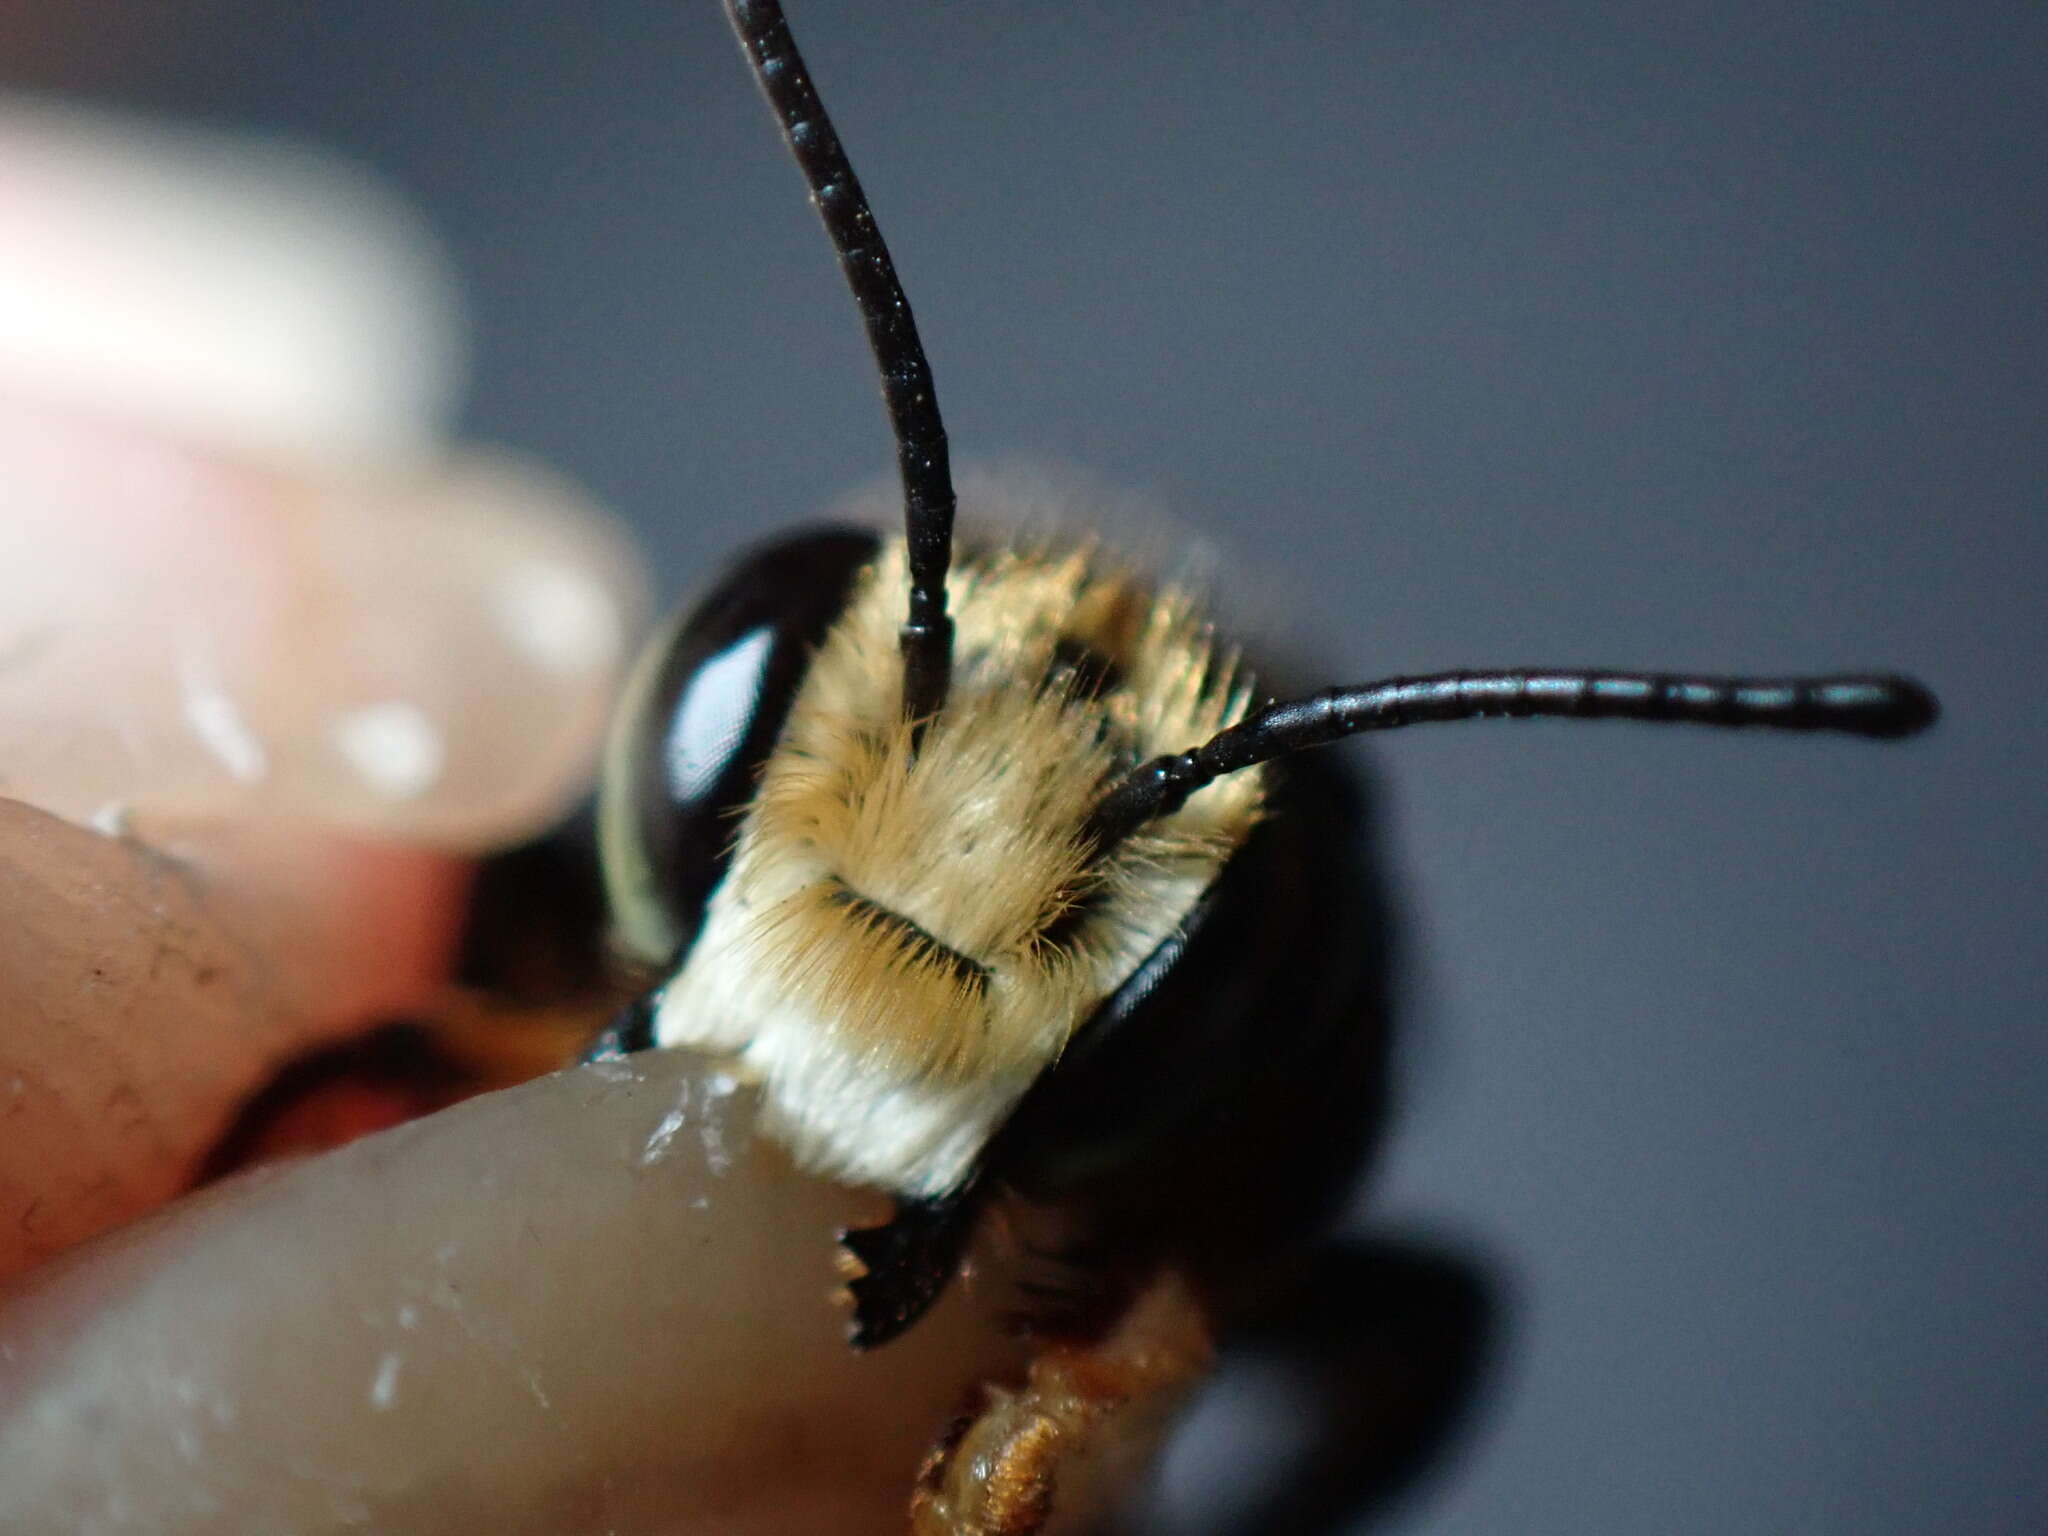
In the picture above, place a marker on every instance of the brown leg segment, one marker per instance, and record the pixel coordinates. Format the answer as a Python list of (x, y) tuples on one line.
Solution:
[(1051, 1456)]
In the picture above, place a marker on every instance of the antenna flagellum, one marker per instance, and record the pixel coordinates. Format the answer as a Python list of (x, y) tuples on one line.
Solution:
[(922, 459), (1861, 705)]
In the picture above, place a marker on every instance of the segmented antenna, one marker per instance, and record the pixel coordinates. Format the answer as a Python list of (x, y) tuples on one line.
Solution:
[(1882, 706), (921, 457)]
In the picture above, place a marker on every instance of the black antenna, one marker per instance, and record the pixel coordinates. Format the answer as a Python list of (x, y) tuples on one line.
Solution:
[(1881, 706), (927, 633)]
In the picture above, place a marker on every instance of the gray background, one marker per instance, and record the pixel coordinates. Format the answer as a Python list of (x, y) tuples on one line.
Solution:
[(1701, 336)]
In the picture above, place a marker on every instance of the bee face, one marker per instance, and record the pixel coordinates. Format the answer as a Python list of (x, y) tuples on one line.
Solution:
[(907, 927)]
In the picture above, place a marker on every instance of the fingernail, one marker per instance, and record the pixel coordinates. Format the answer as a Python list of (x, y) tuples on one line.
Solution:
[(428, 656)]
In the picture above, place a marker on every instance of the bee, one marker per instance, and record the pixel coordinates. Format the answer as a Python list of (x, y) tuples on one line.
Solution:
[(990, 861)]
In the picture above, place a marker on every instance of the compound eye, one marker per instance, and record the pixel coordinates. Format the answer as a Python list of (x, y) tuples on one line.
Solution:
[(699, 716)]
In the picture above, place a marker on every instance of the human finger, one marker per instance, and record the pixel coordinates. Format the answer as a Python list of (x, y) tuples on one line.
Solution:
[(147, 992), (595, 1302)]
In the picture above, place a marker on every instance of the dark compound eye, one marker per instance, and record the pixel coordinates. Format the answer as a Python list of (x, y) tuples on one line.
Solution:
[(700, 715)]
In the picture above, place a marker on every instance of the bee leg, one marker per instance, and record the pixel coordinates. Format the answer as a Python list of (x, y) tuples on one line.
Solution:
[(1088, 1418), (631, 1029), (903, 1264)]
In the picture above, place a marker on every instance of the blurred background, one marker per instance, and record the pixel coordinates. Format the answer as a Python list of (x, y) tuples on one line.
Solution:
[(1709, 337)]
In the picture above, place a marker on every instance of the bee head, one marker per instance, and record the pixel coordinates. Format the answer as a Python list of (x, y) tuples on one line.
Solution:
[(868, 910)]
